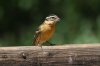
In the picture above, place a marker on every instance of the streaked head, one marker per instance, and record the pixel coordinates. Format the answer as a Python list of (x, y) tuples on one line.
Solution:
[(52, 18)]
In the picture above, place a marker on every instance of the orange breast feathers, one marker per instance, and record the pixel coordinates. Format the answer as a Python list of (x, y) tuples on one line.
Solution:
[(46, 32)]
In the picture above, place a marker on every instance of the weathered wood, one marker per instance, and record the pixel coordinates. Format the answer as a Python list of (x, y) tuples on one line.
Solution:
[(66, 55)]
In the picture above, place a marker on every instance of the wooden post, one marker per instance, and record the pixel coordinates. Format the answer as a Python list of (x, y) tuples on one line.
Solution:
[(65, 55)]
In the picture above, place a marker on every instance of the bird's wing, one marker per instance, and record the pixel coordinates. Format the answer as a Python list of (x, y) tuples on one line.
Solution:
[(37, 33)]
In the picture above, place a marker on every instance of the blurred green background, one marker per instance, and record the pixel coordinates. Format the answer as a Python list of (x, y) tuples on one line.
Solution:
[(80, 21)]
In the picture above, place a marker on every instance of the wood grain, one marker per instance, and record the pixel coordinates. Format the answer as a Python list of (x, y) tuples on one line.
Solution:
[(65, 55)]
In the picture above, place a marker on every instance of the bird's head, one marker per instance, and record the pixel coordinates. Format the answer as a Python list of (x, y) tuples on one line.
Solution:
[(52, 19)]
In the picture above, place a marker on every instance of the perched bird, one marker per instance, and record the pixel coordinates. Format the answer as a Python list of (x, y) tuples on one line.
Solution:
[(45, 30)]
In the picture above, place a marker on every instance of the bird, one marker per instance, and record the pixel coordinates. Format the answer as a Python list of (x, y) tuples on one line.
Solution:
[(46, 30)]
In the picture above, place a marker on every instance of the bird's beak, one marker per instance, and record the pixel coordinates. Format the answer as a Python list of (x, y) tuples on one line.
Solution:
[(58, 19)]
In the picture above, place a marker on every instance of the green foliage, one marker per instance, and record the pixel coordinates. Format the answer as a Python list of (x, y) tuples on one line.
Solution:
[(27, 4), (80, 21)]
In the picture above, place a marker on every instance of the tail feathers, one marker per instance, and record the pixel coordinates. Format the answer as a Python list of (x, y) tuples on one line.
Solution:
[(37, 33)]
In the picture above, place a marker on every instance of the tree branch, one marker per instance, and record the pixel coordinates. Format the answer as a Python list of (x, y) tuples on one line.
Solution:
[(65, 55)]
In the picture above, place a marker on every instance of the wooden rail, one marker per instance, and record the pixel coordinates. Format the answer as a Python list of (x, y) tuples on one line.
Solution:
[(65, 55)]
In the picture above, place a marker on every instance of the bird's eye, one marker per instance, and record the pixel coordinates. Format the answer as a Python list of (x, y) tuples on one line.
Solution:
[(53, 17)]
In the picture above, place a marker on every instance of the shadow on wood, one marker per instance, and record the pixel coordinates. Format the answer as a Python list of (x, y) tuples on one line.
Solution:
[(65, 55)]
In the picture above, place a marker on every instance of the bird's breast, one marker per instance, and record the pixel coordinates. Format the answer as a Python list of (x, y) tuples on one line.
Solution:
[(47, 32)]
